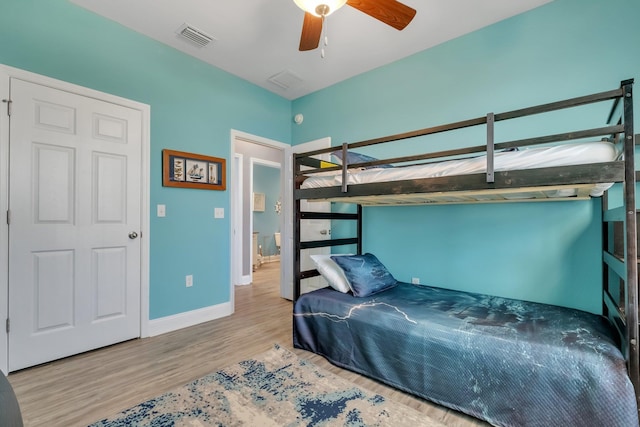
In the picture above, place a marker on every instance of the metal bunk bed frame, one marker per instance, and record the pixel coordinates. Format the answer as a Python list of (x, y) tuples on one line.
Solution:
[(619, 259)]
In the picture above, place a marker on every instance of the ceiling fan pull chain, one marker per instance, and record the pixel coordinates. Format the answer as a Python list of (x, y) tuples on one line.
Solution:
[(325, 38)]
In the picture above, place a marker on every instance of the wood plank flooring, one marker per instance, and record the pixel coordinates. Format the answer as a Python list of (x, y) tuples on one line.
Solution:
[(79, 390)]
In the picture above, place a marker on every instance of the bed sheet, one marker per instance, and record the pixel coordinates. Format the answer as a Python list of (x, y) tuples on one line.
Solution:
[(539, 157), (508, 362)]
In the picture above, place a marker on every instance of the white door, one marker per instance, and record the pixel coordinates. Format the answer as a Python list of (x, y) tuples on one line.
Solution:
[(311, 229), (74, 244)]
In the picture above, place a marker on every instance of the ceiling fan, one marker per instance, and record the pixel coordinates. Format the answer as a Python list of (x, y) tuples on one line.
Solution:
[(391, 12)]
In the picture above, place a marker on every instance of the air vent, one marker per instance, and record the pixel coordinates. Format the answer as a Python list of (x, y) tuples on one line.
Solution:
[(194, 35), (285, 80)]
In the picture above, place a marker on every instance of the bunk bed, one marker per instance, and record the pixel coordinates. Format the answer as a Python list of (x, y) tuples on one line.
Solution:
[(505, 361)]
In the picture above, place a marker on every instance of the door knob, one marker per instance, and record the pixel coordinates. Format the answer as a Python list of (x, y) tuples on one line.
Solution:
[(133, 235)]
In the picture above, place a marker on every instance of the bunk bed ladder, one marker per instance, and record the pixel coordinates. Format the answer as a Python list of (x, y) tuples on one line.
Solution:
[(620, 272), (298, 274), (306, 159)]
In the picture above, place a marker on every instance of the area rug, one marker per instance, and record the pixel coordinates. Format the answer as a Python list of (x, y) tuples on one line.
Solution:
[(276, 388)]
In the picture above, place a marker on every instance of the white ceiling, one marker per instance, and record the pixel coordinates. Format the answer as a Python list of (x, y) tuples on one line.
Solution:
[(258, 39)]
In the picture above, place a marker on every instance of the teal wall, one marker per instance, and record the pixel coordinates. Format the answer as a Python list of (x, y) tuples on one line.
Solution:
[(193, 108), (546, 252), (266, 180)]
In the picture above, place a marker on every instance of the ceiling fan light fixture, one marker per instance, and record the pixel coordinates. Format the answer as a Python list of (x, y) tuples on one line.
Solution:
[(320, 8)]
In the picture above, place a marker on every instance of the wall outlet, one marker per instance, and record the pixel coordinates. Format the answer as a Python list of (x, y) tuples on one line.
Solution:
[(415, 280), (189, 281)]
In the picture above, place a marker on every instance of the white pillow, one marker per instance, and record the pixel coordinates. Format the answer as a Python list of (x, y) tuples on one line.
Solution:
[(331, 272)]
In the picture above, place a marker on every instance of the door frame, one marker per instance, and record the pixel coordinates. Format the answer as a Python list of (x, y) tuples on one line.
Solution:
[(237, 233), (6, 73)]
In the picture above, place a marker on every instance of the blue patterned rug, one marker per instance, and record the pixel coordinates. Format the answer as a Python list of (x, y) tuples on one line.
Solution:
[(276, 388)]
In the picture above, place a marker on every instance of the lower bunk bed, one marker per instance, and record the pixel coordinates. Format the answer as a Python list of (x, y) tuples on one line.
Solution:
[(508, 362)]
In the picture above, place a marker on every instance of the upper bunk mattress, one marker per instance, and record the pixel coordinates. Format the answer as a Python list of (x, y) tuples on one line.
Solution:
[(528, 158), (509, 362)]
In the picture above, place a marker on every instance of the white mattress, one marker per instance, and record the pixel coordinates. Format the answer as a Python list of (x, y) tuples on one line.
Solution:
[(539, 157)]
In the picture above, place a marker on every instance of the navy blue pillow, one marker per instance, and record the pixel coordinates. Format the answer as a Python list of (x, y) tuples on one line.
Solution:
[(365, 273), (353, 157)]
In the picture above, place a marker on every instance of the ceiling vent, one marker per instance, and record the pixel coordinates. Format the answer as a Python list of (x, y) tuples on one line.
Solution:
[(285, 80), (194, 35)]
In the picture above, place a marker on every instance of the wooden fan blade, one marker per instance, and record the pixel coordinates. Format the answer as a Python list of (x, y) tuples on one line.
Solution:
[(391, 12), (311, 32)]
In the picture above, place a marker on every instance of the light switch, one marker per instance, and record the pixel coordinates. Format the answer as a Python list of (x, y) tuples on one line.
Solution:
[(161, 210), (218, 213)]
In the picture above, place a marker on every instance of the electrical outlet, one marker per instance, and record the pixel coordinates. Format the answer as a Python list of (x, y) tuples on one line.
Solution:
[(415, 280), (189, 281)]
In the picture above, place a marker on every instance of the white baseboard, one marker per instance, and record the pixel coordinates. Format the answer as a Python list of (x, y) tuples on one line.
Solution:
[(245, 280), (189, 318)]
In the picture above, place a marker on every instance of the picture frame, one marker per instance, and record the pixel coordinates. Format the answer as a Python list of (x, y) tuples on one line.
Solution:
[(189, 170), (258, 202)]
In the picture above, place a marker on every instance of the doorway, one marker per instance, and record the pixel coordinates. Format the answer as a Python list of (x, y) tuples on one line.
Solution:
[(249, 150), (244, 146), (266, 209)]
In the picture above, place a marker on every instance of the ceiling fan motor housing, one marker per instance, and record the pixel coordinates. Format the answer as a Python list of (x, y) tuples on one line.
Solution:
[(320, 8)]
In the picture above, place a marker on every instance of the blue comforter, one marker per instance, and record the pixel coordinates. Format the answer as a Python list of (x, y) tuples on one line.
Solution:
[(509, 362)]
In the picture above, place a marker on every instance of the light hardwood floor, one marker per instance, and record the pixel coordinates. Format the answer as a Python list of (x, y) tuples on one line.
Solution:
[(79, 390)]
